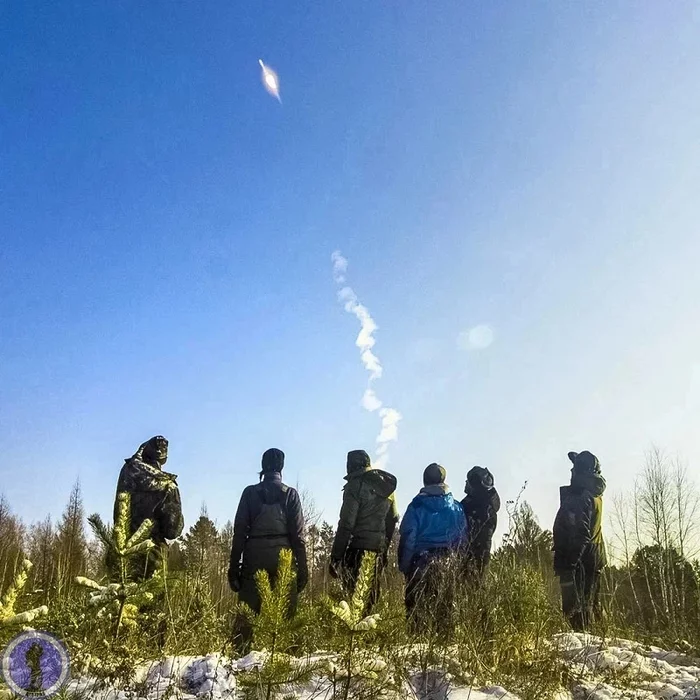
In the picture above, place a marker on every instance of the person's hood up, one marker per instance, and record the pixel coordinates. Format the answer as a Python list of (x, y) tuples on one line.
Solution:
[(154, 451), (434, 498), (479, 480), (358, 461), (585, 462)]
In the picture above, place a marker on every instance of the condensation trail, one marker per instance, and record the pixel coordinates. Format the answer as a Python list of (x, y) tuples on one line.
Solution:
[(365, 342)]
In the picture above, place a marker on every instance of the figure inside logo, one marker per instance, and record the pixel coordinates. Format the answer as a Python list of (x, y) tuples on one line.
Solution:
[(33, 659)]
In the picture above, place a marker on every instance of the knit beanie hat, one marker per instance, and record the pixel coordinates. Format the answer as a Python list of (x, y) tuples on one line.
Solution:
[(434, 474)]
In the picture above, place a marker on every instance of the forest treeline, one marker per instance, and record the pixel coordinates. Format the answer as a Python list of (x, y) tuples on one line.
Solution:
[(651, 588)]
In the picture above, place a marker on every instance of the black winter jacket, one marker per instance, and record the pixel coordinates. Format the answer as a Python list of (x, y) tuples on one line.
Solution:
[(577, 531), (481, 510), (368, 515), (269, 518)]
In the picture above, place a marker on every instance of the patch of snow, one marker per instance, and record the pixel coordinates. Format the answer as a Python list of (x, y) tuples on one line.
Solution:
[(607, 669)]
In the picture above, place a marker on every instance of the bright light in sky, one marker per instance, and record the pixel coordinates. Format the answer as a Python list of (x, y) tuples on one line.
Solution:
[(523, 224), (270, 80)]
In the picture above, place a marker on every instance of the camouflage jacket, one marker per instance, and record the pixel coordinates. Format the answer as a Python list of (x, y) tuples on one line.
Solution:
[(155, 495)]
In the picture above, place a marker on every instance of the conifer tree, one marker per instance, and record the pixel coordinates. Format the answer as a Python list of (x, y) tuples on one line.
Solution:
[(200, 543), (8, 614), (273, 630), (354, 623), (42, 552), (119, 601), (11, 544), (71, 542)]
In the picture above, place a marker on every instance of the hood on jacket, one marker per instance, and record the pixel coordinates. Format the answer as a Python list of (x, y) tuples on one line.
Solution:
[(585, 481), (358, 461), (434, 498), (585, 462), (154, 451), (381, 482), (479, 479)]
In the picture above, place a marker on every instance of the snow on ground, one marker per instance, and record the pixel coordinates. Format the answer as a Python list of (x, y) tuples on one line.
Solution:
[(614, 669), (643, 673)]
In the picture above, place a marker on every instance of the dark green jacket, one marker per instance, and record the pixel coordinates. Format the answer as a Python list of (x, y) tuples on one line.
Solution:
[(578, 527), (368, 515)]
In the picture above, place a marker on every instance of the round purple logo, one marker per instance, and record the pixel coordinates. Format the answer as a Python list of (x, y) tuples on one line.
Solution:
[(35, 665)]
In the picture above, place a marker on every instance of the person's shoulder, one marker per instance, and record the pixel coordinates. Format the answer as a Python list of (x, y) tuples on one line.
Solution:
[(249, 490), (353, 487), (456, 506)]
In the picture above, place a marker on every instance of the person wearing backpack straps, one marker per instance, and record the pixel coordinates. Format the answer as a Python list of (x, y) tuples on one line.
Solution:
[(269, 519)]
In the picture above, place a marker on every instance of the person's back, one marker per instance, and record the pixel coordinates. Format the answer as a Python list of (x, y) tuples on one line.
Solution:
[(579, 549), (433, 520), (269, 519), (481, 505), (432, 530), (367, 521), (153, 495)]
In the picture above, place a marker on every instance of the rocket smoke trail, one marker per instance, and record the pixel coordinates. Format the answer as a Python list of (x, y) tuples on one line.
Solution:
[(365, 341)]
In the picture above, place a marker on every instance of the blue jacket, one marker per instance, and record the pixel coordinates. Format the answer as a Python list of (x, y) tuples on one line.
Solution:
[(433, 520)]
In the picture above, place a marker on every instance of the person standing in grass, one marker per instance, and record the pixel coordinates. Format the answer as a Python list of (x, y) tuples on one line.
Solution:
[(579, 549), (481, 505), (269, 519), (367, 522), (433, 529), (154, 495)]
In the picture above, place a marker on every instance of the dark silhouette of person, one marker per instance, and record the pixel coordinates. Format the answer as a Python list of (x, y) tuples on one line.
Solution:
[(33, 660), (481, 505), (367, 522), (269, 519), (155, 496), (579, 549)]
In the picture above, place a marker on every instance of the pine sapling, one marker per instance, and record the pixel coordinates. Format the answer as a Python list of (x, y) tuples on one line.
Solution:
[(273, 628), (354, 620), (120, 600), (8, 615)]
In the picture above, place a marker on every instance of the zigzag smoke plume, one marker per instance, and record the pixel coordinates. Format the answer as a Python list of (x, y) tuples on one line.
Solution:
[(365, 341)]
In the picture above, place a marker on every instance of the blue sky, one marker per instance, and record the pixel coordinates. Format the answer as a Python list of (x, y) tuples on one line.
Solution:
[(166, 230)]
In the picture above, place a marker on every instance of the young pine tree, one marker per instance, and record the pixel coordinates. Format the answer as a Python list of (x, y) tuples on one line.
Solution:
[(119, 601), (358, 668), (273, 632), (8, 614)]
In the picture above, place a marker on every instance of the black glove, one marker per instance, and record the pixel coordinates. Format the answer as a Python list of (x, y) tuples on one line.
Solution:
[(383, 559), (234, 578), (334, 568), (302, 580)]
